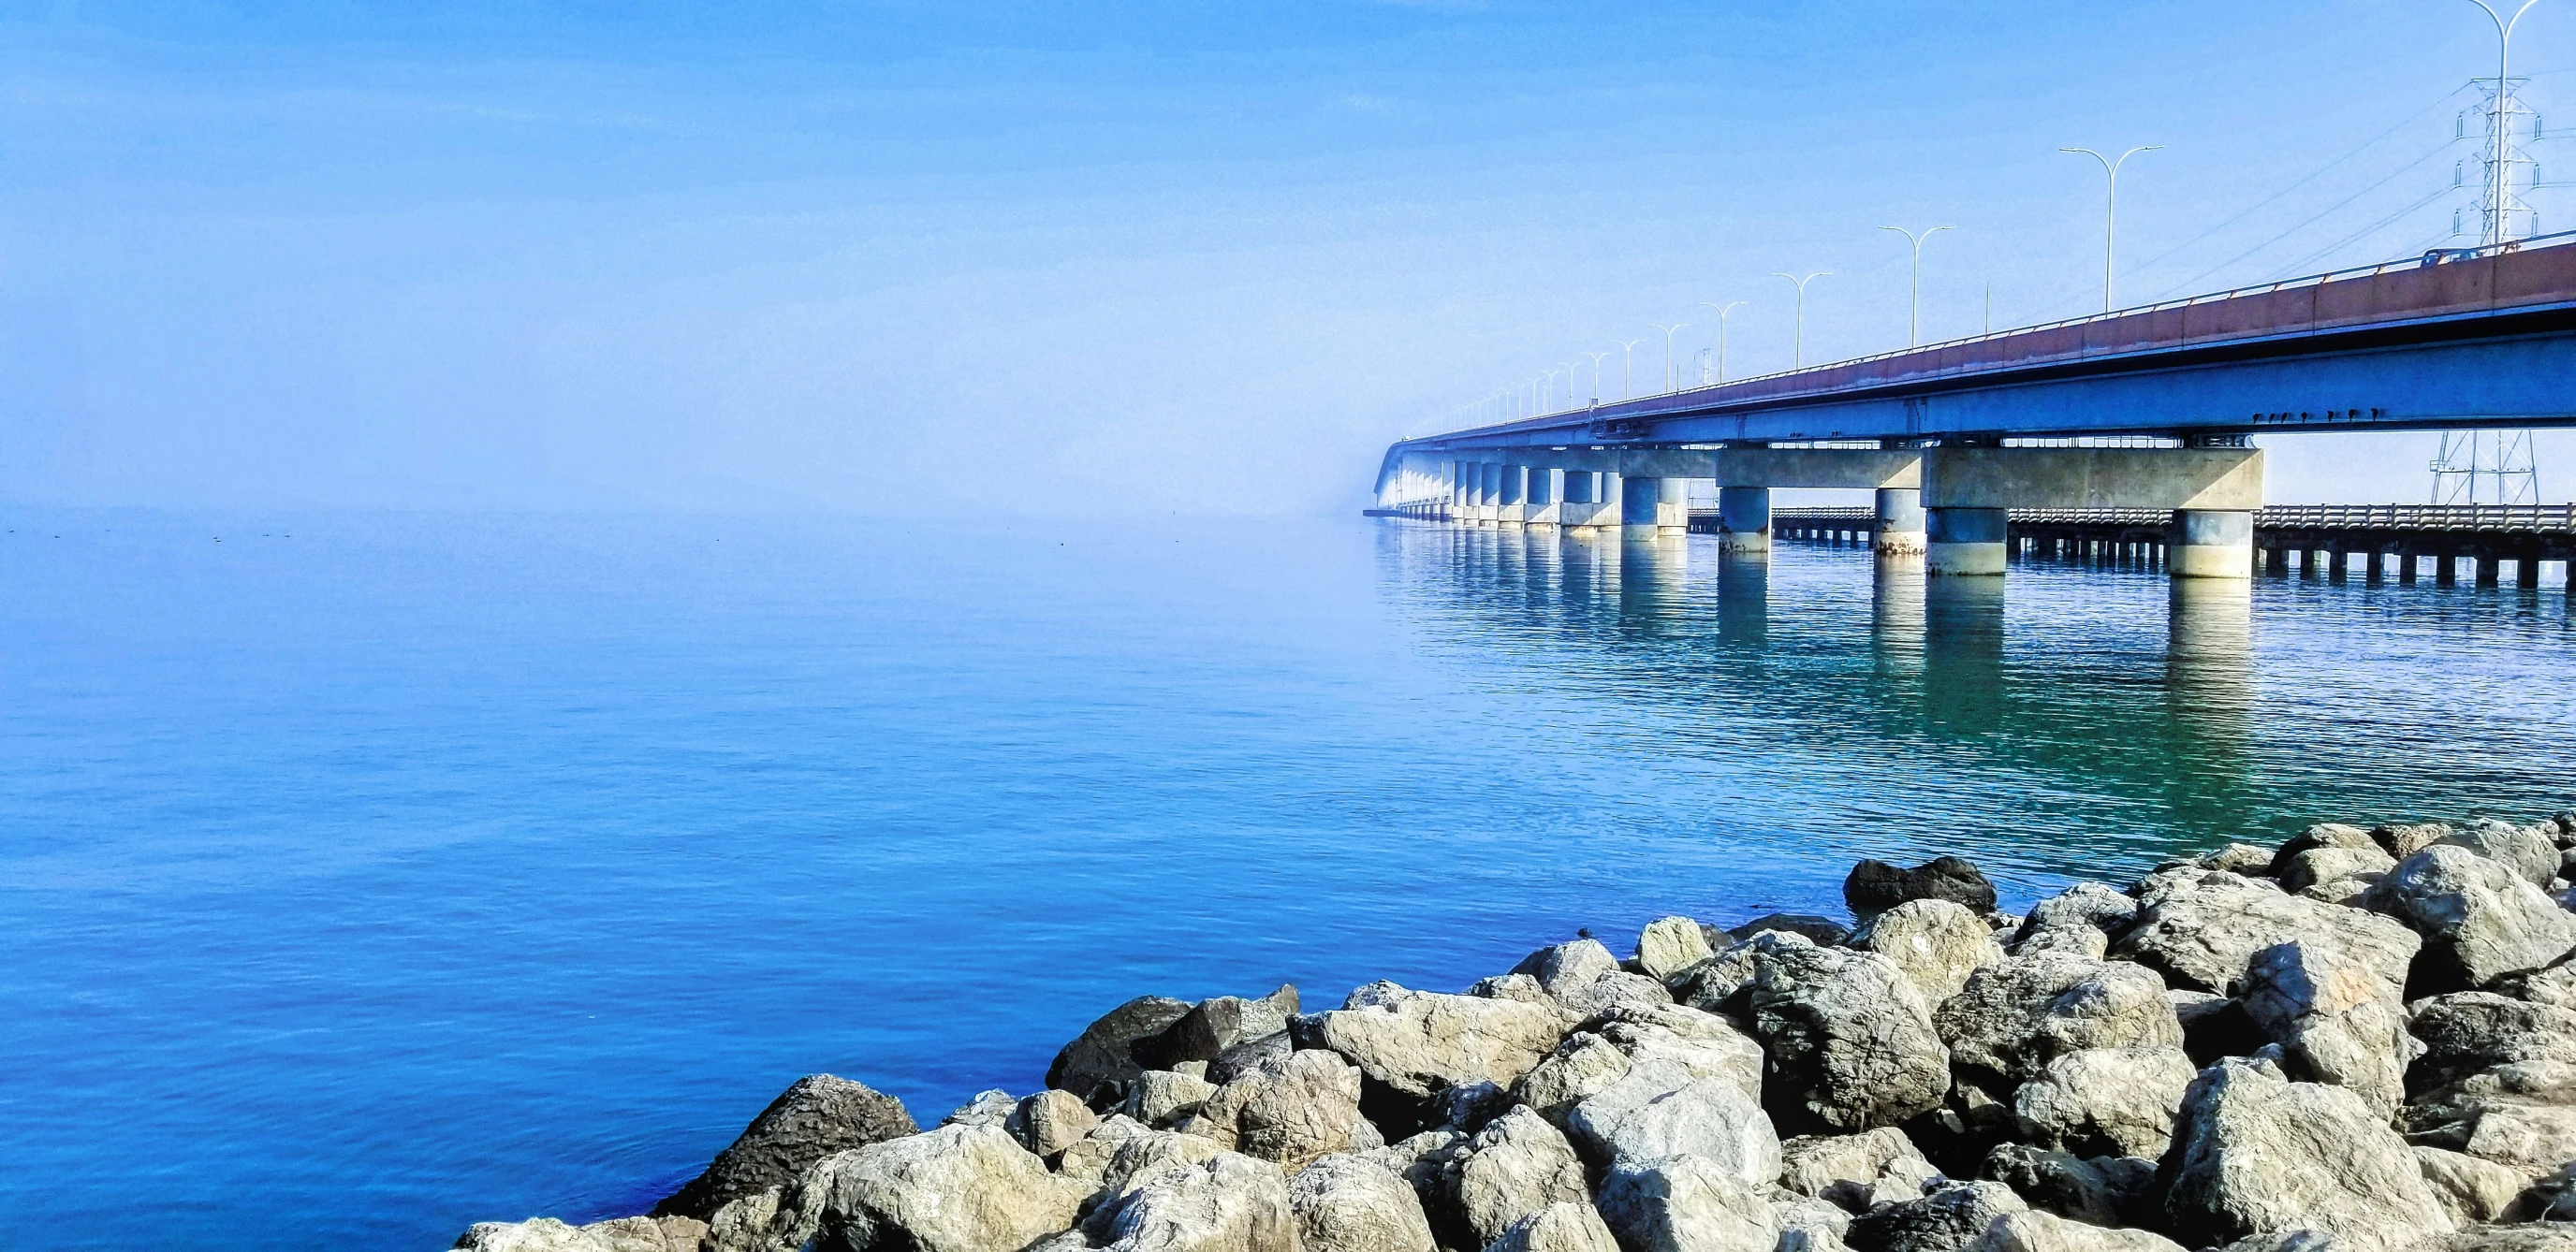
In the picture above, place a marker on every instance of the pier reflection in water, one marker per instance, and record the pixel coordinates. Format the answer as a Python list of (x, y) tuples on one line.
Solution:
[(2062, 719)]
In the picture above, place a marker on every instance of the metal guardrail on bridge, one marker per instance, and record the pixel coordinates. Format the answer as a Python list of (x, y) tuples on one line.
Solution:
[(2442, 517)]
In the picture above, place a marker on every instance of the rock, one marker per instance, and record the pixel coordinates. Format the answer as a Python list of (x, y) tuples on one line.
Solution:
[(1582, 1065), (2200, 930), (1876, 886), (2465, 1032), (1227, 1203), (1585, 978), (2470, 1190), (2242, 858), (2478, 920), (1721, 983), (1848, 1039), (2402, 841), (2077, 941), (1087, 1160), (2550, 1198), (1097, 1064), (1142, 1154), (740, 1224), (1685, 1204), (815, 1117), (1161, 1099), (1517, 1166), (2552, 985), (1808, 1225), (1414, 1044), (1824, 931), (2104, 1191), (1707, 1045), (1952, 1218), (2324, 865), (1214, 1025), (625, 1234), (2334, 1018), (1348, 1204), (1572, 1227), (955, 1189), (1855, 1172), (1936, 943), (2013, 1018), (1050, 1121), (1669, 946), (2046, 1232), (2088, 905), (1240, 1059), (1660, 1109), (2530, 851), (988, 1108), (2543, 1237), (1287, 1111), (2107, 1101), (2257, 1154), (1519, 987), (2325, 835), (2521, 1115), (1467, 1109)]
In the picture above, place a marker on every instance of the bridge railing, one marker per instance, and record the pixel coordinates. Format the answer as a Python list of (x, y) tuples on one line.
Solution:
[(2436, 256), (2458, 517)]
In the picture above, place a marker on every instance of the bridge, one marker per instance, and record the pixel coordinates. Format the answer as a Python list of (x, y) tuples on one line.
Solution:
[(2150, 409)]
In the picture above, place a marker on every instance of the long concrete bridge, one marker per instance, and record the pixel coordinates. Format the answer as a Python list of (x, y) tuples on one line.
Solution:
[(1954, 436)]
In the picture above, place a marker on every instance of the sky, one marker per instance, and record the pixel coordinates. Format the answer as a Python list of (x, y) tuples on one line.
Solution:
[(1113, 259)]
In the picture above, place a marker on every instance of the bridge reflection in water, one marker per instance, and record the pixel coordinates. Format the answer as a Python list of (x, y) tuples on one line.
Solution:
[(2086, 711)]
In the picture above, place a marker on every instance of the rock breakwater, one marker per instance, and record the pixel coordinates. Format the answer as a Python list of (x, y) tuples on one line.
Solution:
[(2363, 1040)]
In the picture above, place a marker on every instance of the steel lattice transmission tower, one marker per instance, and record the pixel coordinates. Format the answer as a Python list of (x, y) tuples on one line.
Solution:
[(2499, 459)]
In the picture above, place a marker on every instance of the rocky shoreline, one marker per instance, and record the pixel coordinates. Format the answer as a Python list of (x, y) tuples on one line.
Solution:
[(2363, 1040)]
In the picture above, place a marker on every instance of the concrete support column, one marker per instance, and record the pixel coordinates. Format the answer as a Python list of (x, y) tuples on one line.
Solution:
[(1639, 500), (2406, 563), (1964, 541), (2490, 571), (2446, 570), (1744, 519), (1544, 487), (2276, 562), (2526, 571), (1515, 484), (2211, 543), (1900, 522)]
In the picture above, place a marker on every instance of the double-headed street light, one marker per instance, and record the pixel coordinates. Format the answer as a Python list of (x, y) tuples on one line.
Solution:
[(1672, 381), (1800, 341), (2111, 209), (1914, 316), (1596, 374), (1722, 311), (1628, 368)]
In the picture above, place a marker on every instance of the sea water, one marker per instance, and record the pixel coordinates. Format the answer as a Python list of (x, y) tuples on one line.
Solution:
[(366, 875)]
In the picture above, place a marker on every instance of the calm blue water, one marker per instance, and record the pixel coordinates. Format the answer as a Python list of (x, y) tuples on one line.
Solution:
[(414, 870)]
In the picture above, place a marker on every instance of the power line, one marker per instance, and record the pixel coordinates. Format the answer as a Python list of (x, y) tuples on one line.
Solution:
[(2337, 208)]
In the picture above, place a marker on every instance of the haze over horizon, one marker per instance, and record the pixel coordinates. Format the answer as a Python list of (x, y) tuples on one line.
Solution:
[(1111, 259)]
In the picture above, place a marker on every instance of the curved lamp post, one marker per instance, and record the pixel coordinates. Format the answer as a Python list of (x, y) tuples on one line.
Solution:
[(2111, 206), (1596, 374), (1914, 315), (1628, 368), (1722, 311), (1800, 341), (1671, 381)]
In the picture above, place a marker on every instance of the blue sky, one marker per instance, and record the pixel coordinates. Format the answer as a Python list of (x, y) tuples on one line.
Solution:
[(1111, 258)]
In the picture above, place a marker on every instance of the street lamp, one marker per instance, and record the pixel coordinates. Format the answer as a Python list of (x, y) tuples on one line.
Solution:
[(1800, 356), (2497, 179), (2111, 206), (1722, 311), (1596, 374), (1570, 381), (1914, 317), (1628, 368), (1672, 382)]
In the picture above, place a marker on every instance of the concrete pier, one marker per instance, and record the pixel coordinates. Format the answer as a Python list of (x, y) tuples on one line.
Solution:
[(1744, 520), (2213, 543), (1965, 542), (1899, 531)]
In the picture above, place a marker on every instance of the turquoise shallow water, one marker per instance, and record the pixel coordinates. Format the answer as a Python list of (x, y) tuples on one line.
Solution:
[(365, 875)]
